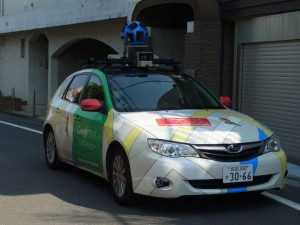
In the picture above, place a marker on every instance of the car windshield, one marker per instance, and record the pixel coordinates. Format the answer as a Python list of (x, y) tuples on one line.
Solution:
[(159, 91)]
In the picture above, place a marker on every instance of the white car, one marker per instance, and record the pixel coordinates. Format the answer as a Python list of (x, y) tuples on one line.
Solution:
[(158, 133)]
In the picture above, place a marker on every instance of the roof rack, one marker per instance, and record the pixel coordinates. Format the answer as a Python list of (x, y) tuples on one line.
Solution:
[(95, 63), (137, 53), (122, 62)]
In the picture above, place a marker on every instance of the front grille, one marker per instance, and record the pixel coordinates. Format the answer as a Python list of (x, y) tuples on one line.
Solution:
[(220, 152), (218, 183)]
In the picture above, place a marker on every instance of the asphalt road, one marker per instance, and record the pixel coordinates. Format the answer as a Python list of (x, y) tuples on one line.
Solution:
[(30, 193)]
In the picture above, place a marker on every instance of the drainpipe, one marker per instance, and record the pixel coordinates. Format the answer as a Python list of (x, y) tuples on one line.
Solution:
[(33, 106), (222, 59)]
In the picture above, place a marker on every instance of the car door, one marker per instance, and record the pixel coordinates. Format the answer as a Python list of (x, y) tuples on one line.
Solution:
[(67, 110), (88, 128)]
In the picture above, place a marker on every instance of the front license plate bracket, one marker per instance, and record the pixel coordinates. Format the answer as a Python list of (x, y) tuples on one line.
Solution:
[(238, 173)]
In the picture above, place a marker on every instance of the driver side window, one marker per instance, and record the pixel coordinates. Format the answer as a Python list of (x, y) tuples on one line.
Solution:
[(93, 90), (75, 88)]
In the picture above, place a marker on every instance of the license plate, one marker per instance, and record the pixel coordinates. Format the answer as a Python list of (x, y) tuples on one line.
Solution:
[(240, 173)]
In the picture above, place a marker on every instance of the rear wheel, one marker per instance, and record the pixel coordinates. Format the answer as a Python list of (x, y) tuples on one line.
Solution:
[(52, 159), (120, 178)]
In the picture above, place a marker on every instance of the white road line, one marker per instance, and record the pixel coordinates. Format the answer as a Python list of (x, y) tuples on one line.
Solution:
[(24, 128), (284, 201)]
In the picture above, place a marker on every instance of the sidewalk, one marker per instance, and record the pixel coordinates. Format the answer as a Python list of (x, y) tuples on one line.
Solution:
[(293, 169), (24, 115)]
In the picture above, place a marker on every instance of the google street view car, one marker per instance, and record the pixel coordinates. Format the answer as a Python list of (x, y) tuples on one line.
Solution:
[(152, 130)]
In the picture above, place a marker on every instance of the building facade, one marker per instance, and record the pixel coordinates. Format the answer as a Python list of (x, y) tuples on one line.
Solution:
[(248, 50), (266, 78)]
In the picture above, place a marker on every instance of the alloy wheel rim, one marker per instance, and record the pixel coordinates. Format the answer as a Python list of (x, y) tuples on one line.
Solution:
[(50, 148), (118, 176)]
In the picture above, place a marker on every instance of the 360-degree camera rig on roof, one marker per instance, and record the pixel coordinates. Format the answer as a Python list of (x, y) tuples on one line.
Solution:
[(137, 51)]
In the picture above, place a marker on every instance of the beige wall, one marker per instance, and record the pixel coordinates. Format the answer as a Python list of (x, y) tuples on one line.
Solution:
[(21, 15), (13, 68), (12, 7), (107, 32)]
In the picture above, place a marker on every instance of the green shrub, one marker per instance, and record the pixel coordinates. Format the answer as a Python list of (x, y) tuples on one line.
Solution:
[(8, 97)]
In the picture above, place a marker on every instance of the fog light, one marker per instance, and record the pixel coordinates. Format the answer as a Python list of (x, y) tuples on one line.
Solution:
[(161, 182)]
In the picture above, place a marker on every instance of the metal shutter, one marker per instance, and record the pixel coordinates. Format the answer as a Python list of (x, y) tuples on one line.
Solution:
[(270, 89)]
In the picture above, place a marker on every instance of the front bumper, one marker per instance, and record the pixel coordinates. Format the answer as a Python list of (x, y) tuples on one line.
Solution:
[(197, 176)]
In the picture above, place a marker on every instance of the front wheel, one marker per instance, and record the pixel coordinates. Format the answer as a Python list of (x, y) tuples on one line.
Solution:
[(52, 159), (120, 178)]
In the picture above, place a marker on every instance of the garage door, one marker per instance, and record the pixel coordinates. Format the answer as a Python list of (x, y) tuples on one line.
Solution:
[(270, 89)]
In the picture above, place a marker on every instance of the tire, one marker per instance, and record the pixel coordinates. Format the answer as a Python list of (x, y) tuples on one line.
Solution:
[(52, 159), (120, 178)]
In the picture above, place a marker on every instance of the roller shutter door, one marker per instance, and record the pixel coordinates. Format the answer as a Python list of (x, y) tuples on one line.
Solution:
[(270, 89)]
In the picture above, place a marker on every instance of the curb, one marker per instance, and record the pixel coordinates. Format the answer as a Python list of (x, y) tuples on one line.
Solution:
[(23, 115), (294, 171), (292, 177)]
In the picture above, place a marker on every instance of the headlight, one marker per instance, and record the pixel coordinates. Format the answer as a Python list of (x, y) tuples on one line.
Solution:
[(171, 149), (272, 144)]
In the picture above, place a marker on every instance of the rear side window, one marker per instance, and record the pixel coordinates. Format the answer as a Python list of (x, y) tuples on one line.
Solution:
[(63, 86), (74, 90)]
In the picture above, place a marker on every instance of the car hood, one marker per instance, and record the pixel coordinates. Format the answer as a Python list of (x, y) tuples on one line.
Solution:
[(200, 126)]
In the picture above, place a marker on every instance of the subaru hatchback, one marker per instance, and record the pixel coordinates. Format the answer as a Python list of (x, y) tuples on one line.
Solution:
[(158, 133)]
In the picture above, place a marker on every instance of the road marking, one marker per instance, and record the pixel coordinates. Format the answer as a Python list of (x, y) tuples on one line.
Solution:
[(24, 128), (284, 201)]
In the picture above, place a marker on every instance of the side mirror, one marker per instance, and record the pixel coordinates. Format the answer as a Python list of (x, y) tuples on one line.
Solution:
[(225, 100), (90, 105)]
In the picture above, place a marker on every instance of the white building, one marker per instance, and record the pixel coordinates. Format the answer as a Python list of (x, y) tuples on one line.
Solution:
[(41, 42)]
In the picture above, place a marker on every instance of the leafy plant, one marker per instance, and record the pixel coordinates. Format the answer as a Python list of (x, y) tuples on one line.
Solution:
[(8, 97)]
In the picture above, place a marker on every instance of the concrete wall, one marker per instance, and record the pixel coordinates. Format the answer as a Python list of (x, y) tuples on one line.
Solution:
[(268, 28), (13, 68), (38, 69), (107, 32), (31, 73), (20, 15), (12, 7), (168, 43)]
